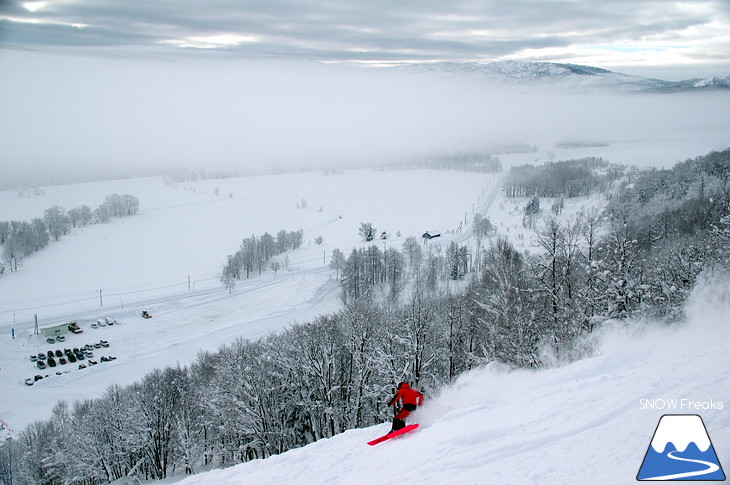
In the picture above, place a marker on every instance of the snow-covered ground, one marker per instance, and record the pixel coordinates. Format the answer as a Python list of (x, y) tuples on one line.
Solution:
[(143, 263), (585, 422), (589, 422)]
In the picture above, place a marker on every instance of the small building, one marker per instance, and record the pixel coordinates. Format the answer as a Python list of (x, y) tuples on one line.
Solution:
[(55, 330)]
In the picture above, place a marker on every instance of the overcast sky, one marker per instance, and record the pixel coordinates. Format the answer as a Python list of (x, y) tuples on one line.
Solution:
[(218, 83), (659, 38)]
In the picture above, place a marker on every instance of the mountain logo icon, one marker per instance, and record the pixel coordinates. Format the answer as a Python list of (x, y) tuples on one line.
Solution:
[(680, 450)]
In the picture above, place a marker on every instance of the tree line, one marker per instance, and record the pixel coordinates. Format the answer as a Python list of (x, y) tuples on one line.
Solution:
[(255, 398), (571, 178), (257, 253), (20, 239)]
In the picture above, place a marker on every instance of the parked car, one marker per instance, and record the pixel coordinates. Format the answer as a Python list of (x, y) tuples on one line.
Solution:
[(50, 353), (94, 325), (62, 361), (38, 377), (61, 338), (92, 362), (97, 345), (34, 358), (72, 358), (42, 356), (41, 364), (101, 323), (59, 353), (80, 356), (29, 382), (51, 340), (51, 362), (82, 366)]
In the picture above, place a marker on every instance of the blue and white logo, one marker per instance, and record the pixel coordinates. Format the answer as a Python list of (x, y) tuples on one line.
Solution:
[(681, 450)]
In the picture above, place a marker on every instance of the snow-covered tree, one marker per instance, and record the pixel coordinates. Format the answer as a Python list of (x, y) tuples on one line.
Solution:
[(510, 331), (57, 221), (337, 262), (413, 251), (367, 231)]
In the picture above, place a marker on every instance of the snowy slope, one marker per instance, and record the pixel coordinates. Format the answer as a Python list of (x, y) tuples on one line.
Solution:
[(585, 423)]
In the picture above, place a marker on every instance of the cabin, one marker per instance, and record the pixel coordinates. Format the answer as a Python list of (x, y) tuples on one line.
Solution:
[(55, 330)]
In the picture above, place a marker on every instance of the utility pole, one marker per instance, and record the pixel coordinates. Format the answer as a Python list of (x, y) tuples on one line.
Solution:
[(35, 317), (101, 298), (188, 282)]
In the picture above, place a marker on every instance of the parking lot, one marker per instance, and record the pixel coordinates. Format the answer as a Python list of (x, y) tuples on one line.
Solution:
[(59, 360)]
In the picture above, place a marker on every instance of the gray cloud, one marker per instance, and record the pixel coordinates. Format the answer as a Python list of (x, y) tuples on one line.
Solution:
[(372, 30)]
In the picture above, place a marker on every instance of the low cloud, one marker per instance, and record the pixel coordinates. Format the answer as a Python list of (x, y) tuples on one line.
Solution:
[(112, 114)]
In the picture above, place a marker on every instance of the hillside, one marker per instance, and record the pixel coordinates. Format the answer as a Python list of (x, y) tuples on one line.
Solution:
[(587, 422), (550, 413), (568, 76)]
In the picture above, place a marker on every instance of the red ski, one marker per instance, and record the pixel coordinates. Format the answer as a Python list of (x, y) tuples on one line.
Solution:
[(388, 436)]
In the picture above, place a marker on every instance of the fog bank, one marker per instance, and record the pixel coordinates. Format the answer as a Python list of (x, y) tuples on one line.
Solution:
[(108, 114)]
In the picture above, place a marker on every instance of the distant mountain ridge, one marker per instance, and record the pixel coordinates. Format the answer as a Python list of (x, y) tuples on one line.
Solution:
[(561, 75)]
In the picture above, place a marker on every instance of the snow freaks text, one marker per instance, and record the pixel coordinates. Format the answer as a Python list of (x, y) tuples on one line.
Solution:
[(681, 405)]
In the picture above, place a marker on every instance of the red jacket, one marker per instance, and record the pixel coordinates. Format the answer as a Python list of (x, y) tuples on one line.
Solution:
[(407, 395)]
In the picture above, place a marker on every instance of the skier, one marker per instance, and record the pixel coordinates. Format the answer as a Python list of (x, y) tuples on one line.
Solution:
[(406, 400)]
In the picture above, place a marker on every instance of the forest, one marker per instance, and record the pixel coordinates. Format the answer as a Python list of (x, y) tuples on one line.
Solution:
[(416, 313), (571, 178), (257, 253)]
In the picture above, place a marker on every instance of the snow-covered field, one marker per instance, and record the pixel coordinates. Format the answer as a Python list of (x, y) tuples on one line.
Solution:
[(143, 263), (586, 422), (589, 422)]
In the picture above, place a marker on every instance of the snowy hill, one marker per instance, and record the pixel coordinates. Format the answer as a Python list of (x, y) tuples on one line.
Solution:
[(589, 422), (567, 76)]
